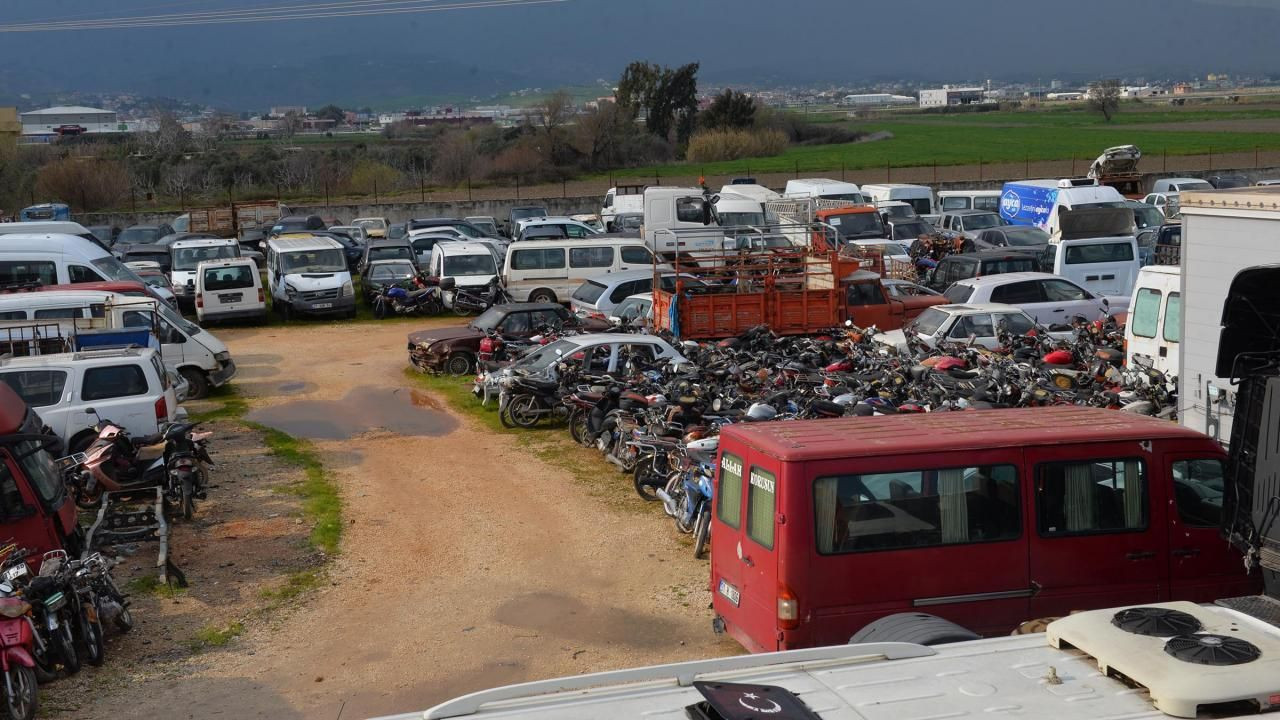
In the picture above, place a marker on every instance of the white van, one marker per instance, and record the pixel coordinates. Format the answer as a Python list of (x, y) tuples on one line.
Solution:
[(1095, 248), (57, 227), (307, 274), (550, 270), (128, 386), (825, 189), (188, 350), (229, 290), (919, 197), (949, 200), (185, 257), (620, 200), (57, 259), (1038, 202), (470, 264), (1154, 328), (758, 193), (735, 210)]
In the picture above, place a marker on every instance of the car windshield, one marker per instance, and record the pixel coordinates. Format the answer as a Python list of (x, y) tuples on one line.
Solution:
[(393, 252), (856, 225), (929, 321), (543, 358), (1025, 236), (1147, 216), (314, 261), (730, 219), (469, 265), (522, 213), (188, 258), (1194, 185), (372, 224), (981, 222), (909, 231), (290, 226), (488, 319), (116, 270), (138, 236), (486, 227), (393, 272), (628, 222)]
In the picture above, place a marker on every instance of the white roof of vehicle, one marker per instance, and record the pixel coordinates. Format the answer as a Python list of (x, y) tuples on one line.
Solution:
[(969, 193), (646, 296), (895, 186), (975, 308), (303, 243), (226, 263), (820, 185), (575, 242), (463, 248), (105, 354), (1006, 278), (63, 227), (203, 242), (51, 243)]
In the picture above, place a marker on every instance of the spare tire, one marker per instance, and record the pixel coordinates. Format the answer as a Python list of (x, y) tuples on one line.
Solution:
[(913, 627)]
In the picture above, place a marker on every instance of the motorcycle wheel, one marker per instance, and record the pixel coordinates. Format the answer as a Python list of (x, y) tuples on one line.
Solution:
[(648, 479), (90, 631), (504, 415), (578, 421), (380, 309), (65, 643), (22, 703), (188, 496), (701, 532), (682, 512), (460, 310), (124, 620), (526, 411)]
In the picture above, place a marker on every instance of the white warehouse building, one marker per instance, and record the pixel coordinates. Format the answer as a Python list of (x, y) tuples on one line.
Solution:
[(50, 120), (878, 99), (951, 96)]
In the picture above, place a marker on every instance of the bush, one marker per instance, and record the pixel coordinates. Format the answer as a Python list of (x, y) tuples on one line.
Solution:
[(87, 183), (717, 145)]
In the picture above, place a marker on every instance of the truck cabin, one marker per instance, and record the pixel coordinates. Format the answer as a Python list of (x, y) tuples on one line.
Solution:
[(817, 521), (868, 303), (848, 223), (34, 511)]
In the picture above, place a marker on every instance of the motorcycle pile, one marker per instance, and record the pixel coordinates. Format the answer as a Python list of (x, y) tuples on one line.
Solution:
[(660, 424), (430, 295)]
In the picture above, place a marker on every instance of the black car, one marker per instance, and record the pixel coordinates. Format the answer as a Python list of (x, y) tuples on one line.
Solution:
[(106, 234), (962, 266), (297, 223), (387, 250), (1023, 237), (381, 274), (1223, 182), (456, 349), (143, 234), (145, 253)]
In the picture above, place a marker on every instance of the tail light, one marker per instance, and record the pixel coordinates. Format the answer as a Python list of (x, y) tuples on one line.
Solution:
[(199, 300), (162, 409), (788, 608), (261, 297)]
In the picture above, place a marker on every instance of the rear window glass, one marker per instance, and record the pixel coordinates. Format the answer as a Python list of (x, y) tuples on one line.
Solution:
[(929, 321), (228, 278), (589, 292), (114, 381), (591, 257), (918, 508), (960, 293), (539, 259), (729, 492), (761, 501), (1173, 318), (955, 203), (39, 388), (1146, 313), (989, 202), (1099, 253), (1008, 265)]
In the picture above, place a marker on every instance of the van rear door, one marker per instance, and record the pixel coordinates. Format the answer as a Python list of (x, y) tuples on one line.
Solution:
[(1103, 266), (1099, 535), (743, 550)]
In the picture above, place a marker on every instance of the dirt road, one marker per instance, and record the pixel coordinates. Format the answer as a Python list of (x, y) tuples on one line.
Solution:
[(466, 562)]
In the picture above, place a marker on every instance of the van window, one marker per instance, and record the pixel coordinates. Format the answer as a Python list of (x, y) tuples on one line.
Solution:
[(636, 255), (228, 278), (689, 209), (538, 259), (102, 383), (13, 315), (14, 272), (82, 274), (38, 388), (1098, 253), (591, 257), (1092, 496), (59, 313), (919, 508), (1146, 313), (990, 203), (761, 497), (1197, 488), (1173, 318), (954, 203), (729, 490)]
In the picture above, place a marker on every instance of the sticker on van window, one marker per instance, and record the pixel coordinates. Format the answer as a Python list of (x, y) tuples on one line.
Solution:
[(834, 221), (764, 482), (732, 465)]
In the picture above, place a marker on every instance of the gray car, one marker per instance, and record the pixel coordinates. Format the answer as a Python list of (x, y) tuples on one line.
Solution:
[(969, 222)]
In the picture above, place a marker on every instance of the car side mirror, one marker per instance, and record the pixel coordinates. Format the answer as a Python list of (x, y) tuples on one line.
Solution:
[(706, 213)]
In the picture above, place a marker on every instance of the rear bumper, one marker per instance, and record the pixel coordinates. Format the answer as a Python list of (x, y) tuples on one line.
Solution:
[(253, 313)]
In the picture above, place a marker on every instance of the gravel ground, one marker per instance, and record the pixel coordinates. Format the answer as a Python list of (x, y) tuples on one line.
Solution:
[(467, 560)]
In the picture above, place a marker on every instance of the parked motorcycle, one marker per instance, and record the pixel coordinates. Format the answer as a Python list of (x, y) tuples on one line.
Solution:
[(116, 461), (468, 301), (17, 654), (426, 299)]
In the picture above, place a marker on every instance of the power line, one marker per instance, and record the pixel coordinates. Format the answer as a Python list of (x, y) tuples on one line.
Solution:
[(351, 8)]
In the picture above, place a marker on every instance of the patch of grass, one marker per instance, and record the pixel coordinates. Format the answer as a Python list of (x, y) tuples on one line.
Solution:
[(213, 636), (151, 585), (457, 392), (320, 499), (296, 584)]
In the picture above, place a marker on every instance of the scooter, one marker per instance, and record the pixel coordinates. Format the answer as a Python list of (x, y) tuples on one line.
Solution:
[(17, 655), (427, 299)]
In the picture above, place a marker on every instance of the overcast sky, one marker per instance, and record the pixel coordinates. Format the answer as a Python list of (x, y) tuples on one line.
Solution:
[(737, 41)]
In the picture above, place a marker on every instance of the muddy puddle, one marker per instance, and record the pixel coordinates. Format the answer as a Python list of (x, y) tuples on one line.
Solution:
[(364, 409)]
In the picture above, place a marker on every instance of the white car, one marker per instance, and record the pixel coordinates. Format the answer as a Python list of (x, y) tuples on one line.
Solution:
[(597, 297), (635, 311), (1048, 299), (598, 353), (974, 323), (1168, 203), (564, 226)]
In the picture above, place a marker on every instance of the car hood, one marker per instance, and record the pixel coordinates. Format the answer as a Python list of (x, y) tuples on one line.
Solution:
[(434, 335), (316, 281)]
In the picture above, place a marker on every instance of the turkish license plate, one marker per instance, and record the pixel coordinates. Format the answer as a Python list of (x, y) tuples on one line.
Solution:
[(231, 297), (322, 306), (730, 592)]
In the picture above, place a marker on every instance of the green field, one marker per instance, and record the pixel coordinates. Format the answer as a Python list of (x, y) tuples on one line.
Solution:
[(1003, 137)]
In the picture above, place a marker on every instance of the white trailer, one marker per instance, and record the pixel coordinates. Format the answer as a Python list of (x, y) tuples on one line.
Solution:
[(1223, 232)]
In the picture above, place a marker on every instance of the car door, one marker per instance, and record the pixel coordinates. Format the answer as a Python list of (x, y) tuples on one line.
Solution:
[(1095, 501), (977, 328), (122, 394), (1202, 566), (1069, 299)]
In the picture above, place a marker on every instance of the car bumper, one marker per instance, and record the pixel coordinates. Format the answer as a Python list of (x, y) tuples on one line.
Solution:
[(223, 374), (340, 306), (253, 313), (426, 360)]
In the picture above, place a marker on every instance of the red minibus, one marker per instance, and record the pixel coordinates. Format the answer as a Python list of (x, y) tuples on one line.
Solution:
[(985, 518)]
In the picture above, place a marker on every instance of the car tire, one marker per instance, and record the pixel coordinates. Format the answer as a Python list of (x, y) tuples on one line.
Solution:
[(542, 295), (458, 364), (198, 381), (913, 627)]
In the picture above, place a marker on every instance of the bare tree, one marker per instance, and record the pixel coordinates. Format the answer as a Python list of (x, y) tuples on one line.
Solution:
[(455, 158), (179, 181), (289, 125), (1104, 97)]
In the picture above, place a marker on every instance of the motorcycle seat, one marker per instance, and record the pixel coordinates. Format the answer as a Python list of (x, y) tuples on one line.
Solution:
[(591, 397), (415, 294)]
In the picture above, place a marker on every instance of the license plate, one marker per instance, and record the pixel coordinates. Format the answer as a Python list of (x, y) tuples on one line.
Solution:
[(231, 297), (730, 592), (322, 306)]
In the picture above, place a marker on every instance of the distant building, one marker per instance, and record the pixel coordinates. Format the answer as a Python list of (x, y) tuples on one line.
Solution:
[(877, 100), (1183, 88), (10, 128), (1064, 96), (1144, 91), (69, 120), (286, 109), (951, 96)]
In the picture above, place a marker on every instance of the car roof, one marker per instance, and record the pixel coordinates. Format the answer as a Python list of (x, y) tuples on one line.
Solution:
[(146, 249), (143, 227), (1005, 278), (463, 248), (976, 308), (387, 242), (227, 262), (646, 296), (970, 211), (928, 433), (62, 227), (285, 243), (203, 242), (996, 254), (638, 274), (598, 338)]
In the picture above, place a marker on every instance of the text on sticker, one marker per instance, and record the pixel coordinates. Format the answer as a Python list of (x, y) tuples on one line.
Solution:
[(763, 482), (731, 466)]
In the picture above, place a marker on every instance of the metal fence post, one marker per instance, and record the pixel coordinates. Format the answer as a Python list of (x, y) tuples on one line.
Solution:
[(842, 171), (468, 188), (422, 186), (375, 190), (1164, 165), (935, 172), (797, 169), (1073, 164), (517, 187), (887, 171), (1210, 157), (1026, 168), (979, 168)]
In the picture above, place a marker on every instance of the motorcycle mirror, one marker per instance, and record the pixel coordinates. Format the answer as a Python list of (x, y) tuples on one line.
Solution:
[(848, 323), (1106, 302), (90, 411)]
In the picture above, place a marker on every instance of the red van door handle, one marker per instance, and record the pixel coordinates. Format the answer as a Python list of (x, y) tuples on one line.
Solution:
[(1140, 555), (749, 562), (1186, 552)]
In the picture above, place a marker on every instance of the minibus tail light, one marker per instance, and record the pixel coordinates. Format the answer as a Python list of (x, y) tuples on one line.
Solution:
[(788, 608), (162, 409)]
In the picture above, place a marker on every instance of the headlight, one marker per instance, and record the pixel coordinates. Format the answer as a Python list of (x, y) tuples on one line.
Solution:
[(348, 289), (290, 291), (222, 356)]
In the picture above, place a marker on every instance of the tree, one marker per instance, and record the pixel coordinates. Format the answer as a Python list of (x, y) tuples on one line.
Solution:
[(290, 124), (332, 112), (455, 158), (668, 97), (1104, 97), (730, 110), (555, 111)]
